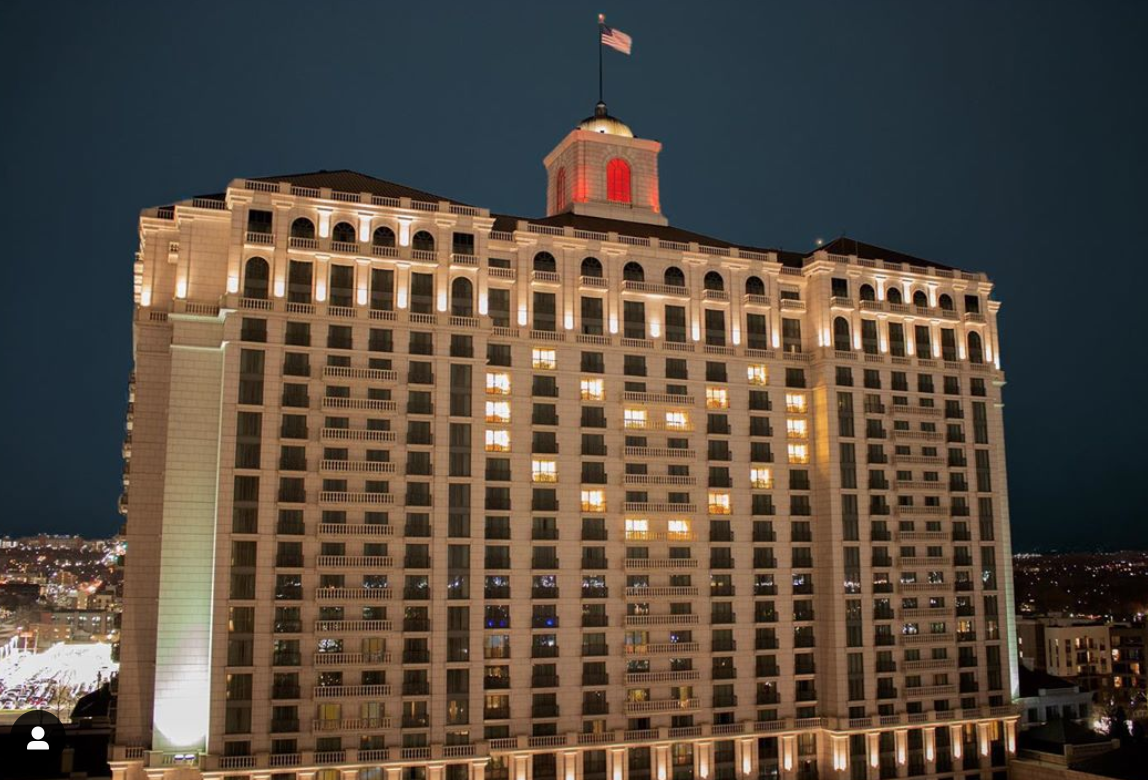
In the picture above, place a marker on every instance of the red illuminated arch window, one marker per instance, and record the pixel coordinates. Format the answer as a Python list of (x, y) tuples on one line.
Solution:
[(618, 181)]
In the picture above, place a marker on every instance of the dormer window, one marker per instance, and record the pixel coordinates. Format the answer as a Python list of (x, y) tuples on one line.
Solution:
[(618, 181)]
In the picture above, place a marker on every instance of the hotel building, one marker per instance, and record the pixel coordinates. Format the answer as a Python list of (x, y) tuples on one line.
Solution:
[(417, 491)]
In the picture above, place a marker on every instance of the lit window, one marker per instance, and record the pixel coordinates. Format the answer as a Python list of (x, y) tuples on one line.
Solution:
[(635, 418), (592, 390), (677, 421), (761, 477), (593, 500), (498, 441), (798, 453), (498, 383), (545, 359), (637, 529), (797, 429), (678, 530), (544, 470), (719, 503), (498, 411), (717, 398), (618, 181), (758, 374), (795, 402)]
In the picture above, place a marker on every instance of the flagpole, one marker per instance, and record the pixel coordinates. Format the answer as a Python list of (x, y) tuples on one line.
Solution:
[(601, 20)]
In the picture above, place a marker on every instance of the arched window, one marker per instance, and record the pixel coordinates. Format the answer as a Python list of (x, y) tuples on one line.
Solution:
[(713, 281), (423, 241), (632, 272), (920, 299), (893, 294), (302, 228), (344, 233), (592, 267), (674, 277), (255, 278), (462, 297), (841, 341), (384, 236), (560, 190), (618, 180), (754, 286), (544, 261), (976, 351), (868, 293), (946, 302)]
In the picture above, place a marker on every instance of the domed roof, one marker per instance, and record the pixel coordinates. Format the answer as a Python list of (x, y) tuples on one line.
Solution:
[(603, 123)]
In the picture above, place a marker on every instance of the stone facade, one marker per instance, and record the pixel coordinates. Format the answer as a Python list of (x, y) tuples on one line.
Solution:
[(419, 491)]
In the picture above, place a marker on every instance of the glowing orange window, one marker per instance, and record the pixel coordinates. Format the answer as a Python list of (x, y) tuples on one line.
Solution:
[(618, 181)]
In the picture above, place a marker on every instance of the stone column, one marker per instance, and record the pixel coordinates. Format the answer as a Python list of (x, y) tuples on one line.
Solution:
[(930, 737), (617, 764), (745, 757)]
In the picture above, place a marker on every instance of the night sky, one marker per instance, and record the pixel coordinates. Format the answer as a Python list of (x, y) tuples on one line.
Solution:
[(1008, 137)]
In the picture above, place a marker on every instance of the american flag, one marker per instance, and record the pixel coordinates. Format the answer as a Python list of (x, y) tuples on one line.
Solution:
[(616, 39)]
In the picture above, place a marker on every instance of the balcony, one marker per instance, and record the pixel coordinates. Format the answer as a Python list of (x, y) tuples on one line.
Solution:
[(924, 561), (652, 288), (662, 620), (351, 724), (903, 510), (352, 659), (351, 626), (931, 690), (355, 529), (925, 639), (647, 453), (752, 299), (662, 705), (343, 497), (662, 648), (350, 691), (662, 591), (354, 561), (659, 563), (360, 404), (659, 507), (353, 594)]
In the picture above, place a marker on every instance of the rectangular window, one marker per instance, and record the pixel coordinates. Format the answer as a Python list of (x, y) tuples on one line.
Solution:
[(544, 312), (790, 335), (676, 324), (592, 316), (497, 441), (633, 319), (498, 306), (544, 359)]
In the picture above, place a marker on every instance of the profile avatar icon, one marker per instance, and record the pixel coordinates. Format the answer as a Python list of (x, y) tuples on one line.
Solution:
[(37, 742)]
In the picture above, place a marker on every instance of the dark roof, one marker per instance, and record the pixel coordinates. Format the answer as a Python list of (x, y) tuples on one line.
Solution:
[(1127, 762), (507, 222), (352, 181), (1058, 732), (1033, 681), (851, 246)]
